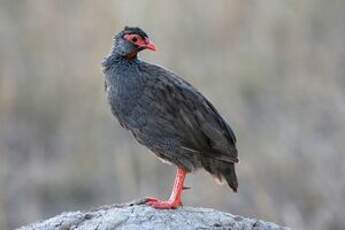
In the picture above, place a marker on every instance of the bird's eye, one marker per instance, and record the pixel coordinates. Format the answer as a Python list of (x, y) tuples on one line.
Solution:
[(134, 39)]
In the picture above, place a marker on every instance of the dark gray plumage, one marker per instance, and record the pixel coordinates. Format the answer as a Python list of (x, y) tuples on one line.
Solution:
[(166, 114)]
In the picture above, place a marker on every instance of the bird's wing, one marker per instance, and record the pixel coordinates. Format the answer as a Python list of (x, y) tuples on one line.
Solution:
[(187, 115)]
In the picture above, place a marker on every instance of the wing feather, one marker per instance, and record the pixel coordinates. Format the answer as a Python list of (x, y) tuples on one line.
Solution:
[(188, 115)]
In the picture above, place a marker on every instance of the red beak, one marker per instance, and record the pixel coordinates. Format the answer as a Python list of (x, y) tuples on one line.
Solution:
[(149, 45)]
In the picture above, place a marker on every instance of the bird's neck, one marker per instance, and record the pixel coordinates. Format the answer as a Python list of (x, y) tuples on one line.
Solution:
[(115, 60)]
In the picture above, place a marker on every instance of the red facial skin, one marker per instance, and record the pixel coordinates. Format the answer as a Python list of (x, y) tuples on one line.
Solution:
[(140, 42)]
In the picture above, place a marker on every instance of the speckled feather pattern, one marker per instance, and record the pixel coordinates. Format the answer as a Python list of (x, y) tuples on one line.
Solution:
[(170, 117)]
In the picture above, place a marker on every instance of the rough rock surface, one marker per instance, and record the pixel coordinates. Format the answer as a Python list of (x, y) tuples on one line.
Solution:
[(135, 215)]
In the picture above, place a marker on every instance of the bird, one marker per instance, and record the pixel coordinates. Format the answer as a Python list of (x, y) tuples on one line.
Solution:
[(168, 115)]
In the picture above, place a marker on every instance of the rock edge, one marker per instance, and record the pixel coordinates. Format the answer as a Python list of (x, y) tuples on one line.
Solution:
[(135, 215)]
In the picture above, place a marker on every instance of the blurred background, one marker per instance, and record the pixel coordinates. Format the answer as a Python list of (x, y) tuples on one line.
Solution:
[(275, 70)]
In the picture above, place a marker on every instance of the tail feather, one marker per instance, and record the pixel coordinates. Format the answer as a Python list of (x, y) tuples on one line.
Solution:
[(230, 177), (222, 170)]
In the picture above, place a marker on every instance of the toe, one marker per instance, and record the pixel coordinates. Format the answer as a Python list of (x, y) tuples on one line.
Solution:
[(150, 199), (164, 204)]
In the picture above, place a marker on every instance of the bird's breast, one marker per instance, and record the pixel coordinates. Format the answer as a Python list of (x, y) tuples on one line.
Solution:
[(123, 96)]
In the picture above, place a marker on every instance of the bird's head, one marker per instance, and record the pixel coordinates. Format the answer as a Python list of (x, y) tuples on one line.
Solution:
[(132, 40)]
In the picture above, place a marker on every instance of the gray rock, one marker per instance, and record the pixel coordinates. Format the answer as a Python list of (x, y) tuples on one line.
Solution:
[(135, 215)]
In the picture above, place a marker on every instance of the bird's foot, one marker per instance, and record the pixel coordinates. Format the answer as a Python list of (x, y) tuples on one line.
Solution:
[(163, 204)]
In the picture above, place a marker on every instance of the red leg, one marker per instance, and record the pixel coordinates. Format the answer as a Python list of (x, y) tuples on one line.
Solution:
[(175, 197)]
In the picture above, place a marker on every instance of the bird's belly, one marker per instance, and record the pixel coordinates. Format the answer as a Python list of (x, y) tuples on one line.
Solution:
[(151, 129)]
